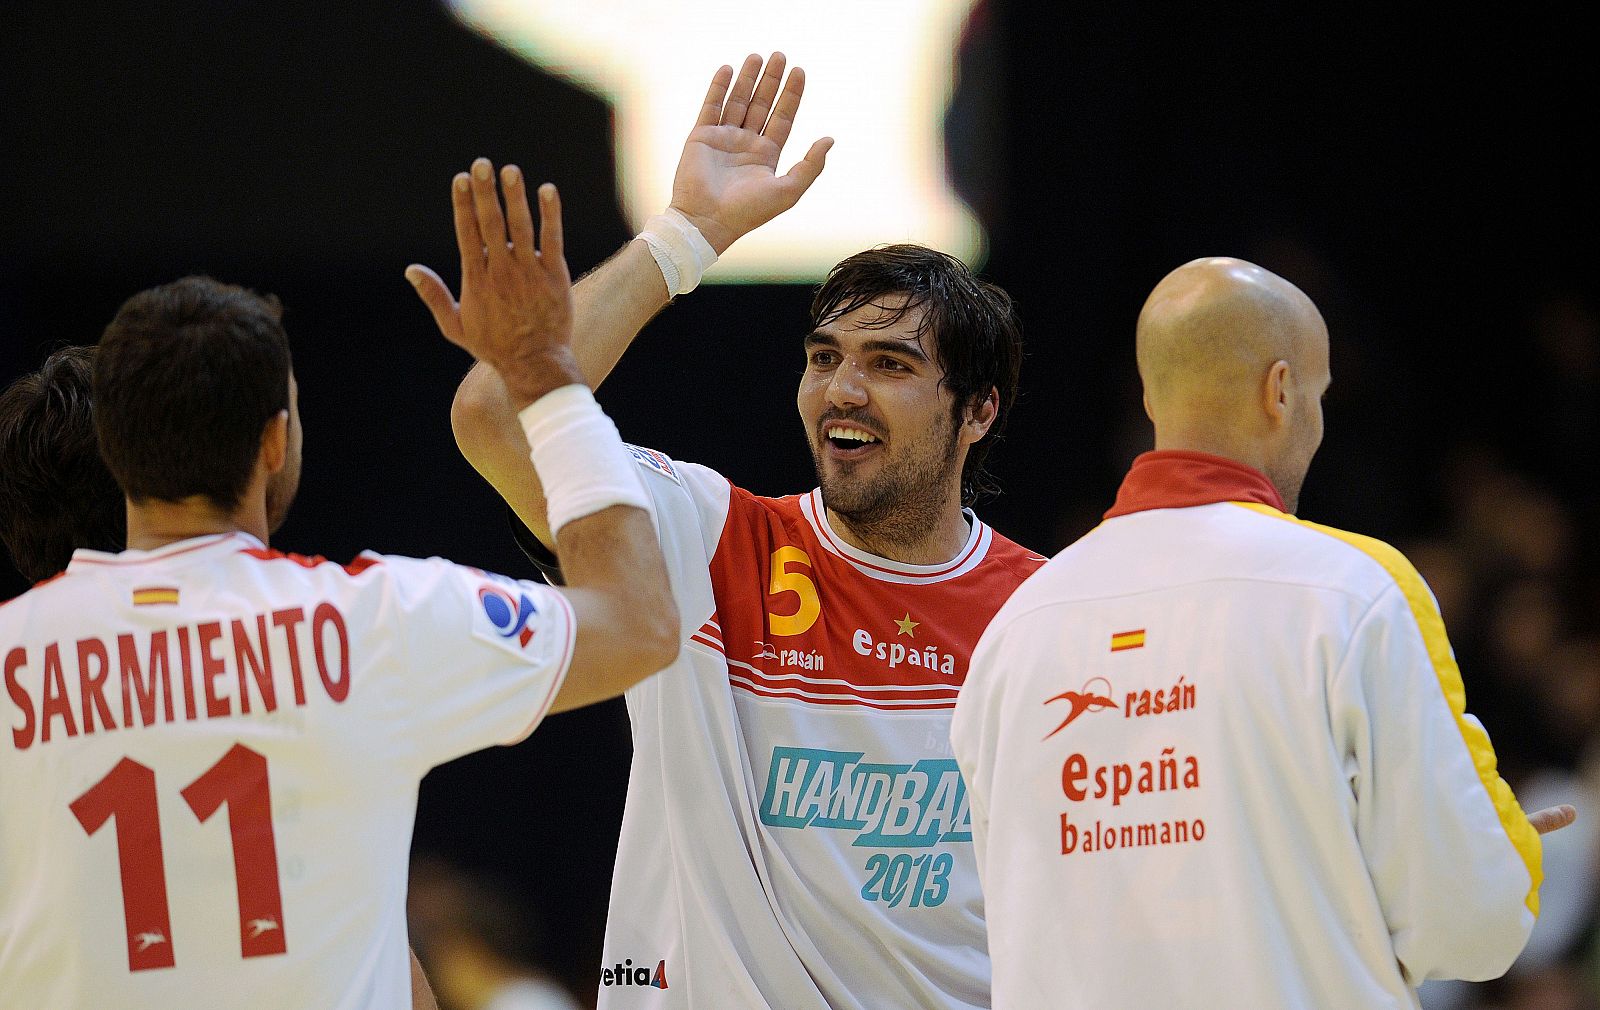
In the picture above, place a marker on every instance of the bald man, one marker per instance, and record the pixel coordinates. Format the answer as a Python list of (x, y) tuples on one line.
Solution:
[(1217, 755)]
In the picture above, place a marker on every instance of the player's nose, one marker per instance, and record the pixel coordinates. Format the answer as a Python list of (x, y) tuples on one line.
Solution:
[(847, 387)]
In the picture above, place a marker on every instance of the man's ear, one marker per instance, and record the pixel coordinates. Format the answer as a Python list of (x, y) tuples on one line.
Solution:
[(275, 442), (980, 417), (1275, 393)]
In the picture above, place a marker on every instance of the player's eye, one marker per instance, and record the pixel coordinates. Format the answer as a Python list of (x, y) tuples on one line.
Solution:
[(894, 365), (822, 359)]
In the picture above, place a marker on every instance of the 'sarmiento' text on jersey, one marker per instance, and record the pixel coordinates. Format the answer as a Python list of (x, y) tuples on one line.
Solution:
[(100, 684)]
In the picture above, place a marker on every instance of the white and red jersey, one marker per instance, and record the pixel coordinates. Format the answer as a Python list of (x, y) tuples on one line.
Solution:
[(1220, 757), (797, 833), (209, 759)]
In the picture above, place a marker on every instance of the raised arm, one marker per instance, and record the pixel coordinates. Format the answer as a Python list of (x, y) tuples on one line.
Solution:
[(515, 313), (726, 186)]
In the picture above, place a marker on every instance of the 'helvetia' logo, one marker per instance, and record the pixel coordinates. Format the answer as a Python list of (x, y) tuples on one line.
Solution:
[(627, 973)]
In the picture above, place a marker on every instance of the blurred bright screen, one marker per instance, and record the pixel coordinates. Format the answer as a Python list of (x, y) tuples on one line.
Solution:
[(879, 75)]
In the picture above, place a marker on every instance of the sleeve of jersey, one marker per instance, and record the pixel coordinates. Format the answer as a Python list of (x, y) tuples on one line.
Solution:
[(691, 501), (1454, 861), (477, 660)]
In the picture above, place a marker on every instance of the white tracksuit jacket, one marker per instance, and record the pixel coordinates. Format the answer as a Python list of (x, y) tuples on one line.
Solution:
[(1219, 757)]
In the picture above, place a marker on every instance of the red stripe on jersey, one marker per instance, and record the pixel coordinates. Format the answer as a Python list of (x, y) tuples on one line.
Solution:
[(817, 685), (707, 642), (913, 706), (355, 567), (711, 630)]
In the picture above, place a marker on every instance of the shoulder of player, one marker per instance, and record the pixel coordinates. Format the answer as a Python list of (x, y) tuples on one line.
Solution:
[(1352, 562), (33, 592), (1007, 553)]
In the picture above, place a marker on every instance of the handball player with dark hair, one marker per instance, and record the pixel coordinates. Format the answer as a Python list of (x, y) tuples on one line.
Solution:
[(146, 690), (796, 832), (56, 494)]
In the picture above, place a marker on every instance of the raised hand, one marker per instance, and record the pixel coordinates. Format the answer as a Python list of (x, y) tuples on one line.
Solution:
[(515, 311), (727, 181)]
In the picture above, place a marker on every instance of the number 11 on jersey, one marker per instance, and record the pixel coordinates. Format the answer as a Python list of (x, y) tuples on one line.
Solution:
[(128, 793)]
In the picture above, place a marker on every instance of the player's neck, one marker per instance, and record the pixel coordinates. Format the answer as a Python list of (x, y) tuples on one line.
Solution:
[(153, 523), (911, 535)]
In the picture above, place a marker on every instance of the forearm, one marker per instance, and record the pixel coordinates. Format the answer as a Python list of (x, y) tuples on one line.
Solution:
[(612, 303), (618, 587)]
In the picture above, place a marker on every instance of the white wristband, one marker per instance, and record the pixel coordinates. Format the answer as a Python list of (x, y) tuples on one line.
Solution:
[(579, 457), (682, 253)]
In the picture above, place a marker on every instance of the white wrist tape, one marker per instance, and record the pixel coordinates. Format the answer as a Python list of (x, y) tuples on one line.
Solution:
[(682, 253), (579, 457)]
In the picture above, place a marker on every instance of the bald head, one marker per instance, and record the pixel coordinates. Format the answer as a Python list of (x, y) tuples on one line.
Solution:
[(1234, 358)]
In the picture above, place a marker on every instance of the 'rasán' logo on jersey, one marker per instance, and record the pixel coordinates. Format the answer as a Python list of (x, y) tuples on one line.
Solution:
[(507, 615)]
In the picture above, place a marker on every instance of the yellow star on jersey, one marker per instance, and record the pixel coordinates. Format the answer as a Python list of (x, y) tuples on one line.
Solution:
[(907, 625)]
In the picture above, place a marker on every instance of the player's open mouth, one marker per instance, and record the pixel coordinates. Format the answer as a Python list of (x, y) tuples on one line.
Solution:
[(846, 441)]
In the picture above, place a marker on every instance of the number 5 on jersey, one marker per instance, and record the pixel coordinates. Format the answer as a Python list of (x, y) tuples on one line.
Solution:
[(128, 793), (798, 583)]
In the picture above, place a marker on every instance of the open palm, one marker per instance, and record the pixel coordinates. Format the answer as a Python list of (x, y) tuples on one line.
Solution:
[(727, 182)]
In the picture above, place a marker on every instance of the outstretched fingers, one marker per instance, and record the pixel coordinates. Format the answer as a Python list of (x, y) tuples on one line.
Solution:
[(743, 88), (468, 242), (486, 206), (766, 90), (552, 247), (783, 113), (519, 220), (711, 110)]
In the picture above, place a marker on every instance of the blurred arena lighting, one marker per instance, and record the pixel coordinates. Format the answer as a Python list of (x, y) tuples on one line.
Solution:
[(879, 77)]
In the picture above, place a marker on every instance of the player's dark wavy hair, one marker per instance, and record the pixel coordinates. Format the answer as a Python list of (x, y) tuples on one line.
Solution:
[(977, 338), (186, 378), (56, 494)]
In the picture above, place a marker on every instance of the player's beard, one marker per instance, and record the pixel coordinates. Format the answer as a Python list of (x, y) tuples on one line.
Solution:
[(903, 497)]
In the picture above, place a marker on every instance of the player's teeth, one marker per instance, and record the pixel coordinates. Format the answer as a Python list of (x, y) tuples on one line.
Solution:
[(852, 434)]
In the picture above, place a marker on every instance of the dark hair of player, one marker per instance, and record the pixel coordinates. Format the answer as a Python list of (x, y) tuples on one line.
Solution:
[(977, 337), (56, 494), (187, 376)]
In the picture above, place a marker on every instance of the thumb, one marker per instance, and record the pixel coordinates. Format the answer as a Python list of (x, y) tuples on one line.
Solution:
[(436, 296), (805, 171)]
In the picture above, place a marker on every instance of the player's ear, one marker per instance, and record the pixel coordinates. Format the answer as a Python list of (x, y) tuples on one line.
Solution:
[(275, 442), (980, 416), (1275, 393)]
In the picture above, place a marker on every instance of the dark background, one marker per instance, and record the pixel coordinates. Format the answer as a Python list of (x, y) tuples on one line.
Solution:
[(1422, 178)]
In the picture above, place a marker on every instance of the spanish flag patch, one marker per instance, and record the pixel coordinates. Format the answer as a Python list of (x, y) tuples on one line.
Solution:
[(152, 595), (1127, 640)]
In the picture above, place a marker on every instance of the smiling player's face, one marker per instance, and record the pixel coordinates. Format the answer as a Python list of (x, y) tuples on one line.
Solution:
[(880, 426)]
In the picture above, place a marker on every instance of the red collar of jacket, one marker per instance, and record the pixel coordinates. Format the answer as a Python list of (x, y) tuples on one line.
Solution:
[(1178, 478)]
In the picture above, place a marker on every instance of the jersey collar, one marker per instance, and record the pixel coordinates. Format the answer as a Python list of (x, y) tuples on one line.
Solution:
[(83, 558), (979, 536), (1178, 478)]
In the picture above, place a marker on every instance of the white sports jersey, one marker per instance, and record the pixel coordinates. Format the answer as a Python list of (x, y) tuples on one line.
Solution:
[(210, 759), (796, 832), (1219, 757)]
